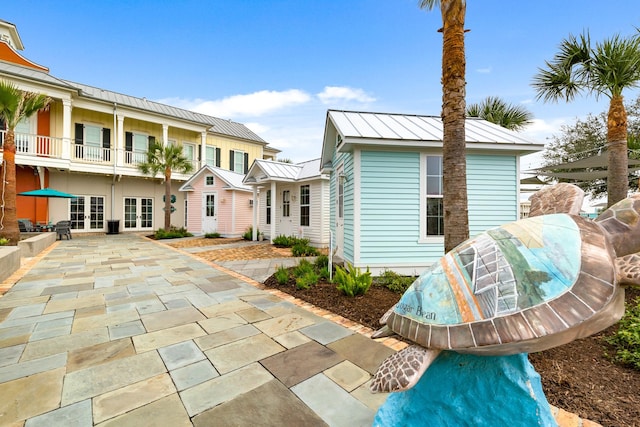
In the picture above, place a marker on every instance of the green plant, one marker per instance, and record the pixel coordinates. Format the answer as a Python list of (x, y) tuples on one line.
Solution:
[(3, 241), (172, 233), (303, 267), (212, 235), (352, 282), (324, 273), (322, 261), (302, 248), (394, 282), (248, 234), (626, 340), (282, 275), (283, 241), (307, 280)]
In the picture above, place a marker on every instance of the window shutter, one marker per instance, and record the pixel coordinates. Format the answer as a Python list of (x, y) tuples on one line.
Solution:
[(218, 152), (79, 133), (246, 163), (230, 160), (128, 141), (106, 138), (152, 140)]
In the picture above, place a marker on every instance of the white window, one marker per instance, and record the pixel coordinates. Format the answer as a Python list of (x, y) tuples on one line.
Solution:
[(286, 203), (433, 214), (238, 161), (92, 143), (305, 205), (189, 151), (209, 180), (210, 155)]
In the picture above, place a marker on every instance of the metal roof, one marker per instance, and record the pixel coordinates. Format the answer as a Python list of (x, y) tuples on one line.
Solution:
[(232, 179), (407, 127), (268, 170), (221, 126), (33, 74)]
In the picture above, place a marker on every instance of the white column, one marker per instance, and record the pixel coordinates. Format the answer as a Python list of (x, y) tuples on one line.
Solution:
[(165, 134), (120, 141), (66, 129), (254, 223), (274, 211), (203, 149)]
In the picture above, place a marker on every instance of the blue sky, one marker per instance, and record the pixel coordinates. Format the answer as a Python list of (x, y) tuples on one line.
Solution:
[(278, 65)]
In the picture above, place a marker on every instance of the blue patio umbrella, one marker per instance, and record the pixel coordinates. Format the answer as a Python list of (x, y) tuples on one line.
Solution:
[(47, 192)]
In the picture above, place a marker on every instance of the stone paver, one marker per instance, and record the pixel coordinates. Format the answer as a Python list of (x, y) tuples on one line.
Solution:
[(119, 331)]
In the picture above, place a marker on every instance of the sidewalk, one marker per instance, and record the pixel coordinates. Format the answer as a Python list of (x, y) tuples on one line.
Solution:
[(119, 330)]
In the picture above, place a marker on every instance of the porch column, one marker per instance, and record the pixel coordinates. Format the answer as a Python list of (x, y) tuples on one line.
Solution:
[(120, 141), (254, 223), (66, 129), (165, 134), (274, 211), (203, 149)]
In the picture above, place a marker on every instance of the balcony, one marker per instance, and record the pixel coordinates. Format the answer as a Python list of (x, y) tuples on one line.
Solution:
[(45, 151)]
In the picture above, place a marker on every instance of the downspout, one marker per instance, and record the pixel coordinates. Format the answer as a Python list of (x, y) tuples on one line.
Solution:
[(115, 156)]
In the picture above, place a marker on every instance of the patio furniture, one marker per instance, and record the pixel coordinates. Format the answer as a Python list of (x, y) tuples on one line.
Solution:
[(63, 228), (26, 226)]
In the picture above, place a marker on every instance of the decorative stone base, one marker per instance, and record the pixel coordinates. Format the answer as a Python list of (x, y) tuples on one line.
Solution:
[(469, 390)]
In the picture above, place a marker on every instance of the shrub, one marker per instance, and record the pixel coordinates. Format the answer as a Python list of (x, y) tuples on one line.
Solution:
[(212, 236), (627, 339), (321, 262), (303, 267), (324, 273), (172, 233), (302, 248), (352, 282), (3, 241), (282, 275), (394, 282), (283, 241), (307, 280), (248, 234)]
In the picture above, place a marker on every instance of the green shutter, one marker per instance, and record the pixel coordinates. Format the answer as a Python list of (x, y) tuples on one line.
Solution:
[(218, 154), (128, 141), (246, 163), (230, 160), (79, 133)]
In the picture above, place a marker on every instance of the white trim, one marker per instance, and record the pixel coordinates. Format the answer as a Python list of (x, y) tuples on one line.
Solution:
[(355, 181)]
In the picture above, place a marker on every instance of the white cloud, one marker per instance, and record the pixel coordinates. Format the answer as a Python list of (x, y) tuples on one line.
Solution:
[(332, 94), (486, 70), (246, 105)]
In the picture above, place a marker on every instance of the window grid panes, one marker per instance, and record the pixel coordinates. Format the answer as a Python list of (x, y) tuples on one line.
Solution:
[(210, 156), (238, 161), (286, 203), (305, 208), (209, 180), (210, 205), (435, 211), (268, 204)]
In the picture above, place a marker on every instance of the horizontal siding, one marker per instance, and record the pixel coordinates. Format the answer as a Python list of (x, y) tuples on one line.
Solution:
[(492, 188)]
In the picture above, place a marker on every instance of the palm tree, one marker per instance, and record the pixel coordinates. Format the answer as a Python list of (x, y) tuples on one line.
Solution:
[(608, 68), (496, 110), (15, 105), (454, 162), (165, 158)]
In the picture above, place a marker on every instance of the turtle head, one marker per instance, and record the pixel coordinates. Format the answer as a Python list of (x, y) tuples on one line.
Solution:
[(622, 224)]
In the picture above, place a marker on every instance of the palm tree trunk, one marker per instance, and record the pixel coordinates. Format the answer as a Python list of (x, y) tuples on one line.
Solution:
[(617, 180), (10, 229), (456, 221), (167, 199)]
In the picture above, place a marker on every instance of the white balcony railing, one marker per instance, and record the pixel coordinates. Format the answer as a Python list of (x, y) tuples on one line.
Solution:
[(35, 145)]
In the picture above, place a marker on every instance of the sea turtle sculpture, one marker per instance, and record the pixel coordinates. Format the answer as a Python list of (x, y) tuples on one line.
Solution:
[(523, 287)]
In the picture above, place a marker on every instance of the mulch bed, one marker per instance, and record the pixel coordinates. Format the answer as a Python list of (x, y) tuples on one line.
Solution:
[(577, 377)]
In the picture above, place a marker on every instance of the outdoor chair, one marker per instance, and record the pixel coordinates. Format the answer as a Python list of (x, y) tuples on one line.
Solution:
[(26, 226), (63, 228)]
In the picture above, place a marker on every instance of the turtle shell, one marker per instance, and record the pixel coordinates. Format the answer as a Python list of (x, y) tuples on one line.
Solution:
[(525, 286)]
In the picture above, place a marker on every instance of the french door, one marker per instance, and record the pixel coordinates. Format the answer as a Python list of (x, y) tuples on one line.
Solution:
[(138, 213), (87, 213)]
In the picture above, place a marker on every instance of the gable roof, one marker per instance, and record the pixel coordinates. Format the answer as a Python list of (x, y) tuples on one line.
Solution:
[(409, 130), (268, 170), (233, 180)]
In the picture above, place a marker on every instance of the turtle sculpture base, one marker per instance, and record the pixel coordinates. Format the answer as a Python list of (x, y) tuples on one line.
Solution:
[(469, 390)]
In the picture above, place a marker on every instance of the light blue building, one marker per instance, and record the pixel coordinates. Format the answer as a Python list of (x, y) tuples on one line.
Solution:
[(386, 185)]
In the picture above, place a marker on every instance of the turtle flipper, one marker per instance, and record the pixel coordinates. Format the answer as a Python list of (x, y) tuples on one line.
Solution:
[(385, 331), (628, 268), (559, 198), (403, 369)]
